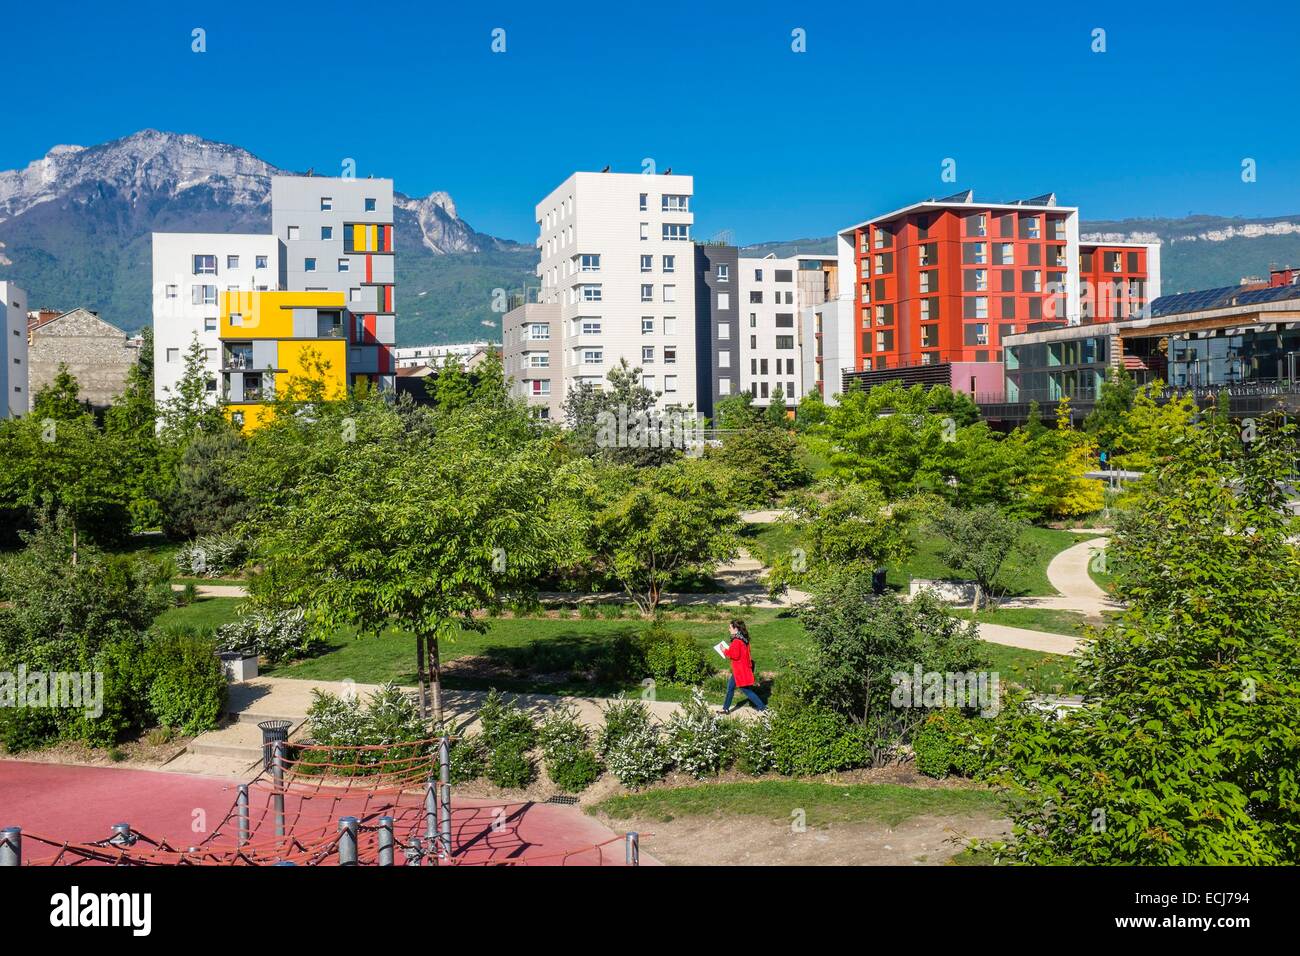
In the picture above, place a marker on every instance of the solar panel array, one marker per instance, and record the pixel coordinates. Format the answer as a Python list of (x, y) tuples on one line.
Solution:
[(1220, 298)]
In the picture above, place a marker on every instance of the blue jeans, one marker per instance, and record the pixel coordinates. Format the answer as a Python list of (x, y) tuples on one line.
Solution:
[(747, 691)]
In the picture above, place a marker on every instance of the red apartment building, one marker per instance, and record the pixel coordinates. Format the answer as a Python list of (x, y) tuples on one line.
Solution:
[(1117, 280), (939, 284)]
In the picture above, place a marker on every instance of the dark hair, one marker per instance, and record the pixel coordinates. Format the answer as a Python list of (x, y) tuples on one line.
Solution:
[(739, 625)]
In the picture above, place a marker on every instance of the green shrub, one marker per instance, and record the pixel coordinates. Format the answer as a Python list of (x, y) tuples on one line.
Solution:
[(945, 745), (510, 767), (572, 768), (27, 728), (815, 740), (210, 555), (673, 656), (506, 724), (468, 759), (699, 741), (560, 729), (390, 717), (754, 753), (188, 688)]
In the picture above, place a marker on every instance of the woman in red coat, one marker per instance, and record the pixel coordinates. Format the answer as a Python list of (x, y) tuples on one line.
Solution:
[(742, 668)]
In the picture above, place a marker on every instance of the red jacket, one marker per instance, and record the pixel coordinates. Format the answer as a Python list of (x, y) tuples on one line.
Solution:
[(742, 665)]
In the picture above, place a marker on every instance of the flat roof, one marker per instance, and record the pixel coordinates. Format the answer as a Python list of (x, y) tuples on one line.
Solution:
[(969, 203)]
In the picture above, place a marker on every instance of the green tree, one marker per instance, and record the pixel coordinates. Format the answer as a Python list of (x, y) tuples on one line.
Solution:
[(764, 460), (1186, 749), (1105, 422), (603, 423), (841, 525), (388, 526), (978, 542), (189, 409), (59, 400), (649, 527), (206, 494), (132, 422), (860, 641)]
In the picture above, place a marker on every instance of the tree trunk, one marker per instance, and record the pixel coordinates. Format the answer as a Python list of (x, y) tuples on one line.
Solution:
[(435, 680), (419, 670), (74, 545)]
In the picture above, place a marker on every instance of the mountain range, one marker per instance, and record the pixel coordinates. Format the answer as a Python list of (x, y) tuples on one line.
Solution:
[(75, 231), (75, 228)]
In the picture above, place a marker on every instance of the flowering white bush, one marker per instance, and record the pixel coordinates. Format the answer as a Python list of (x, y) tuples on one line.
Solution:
[(639, 757), (276, 634), (700, 741), (210, 555)]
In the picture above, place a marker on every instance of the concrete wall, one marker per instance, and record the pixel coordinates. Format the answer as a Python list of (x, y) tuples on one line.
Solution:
[(96, 352)]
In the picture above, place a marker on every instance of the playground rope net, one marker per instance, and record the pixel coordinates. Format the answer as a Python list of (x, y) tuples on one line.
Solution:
[(291, 813)]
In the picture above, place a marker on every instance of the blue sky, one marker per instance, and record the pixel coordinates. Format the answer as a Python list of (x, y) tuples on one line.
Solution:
[(781, 144)]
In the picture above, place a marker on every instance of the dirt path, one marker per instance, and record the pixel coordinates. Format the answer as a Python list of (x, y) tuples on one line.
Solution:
[(748, 841)]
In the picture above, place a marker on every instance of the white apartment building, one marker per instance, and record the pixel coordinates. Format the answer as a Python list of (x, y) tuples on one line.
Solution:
[(14, 398), (434, 356), (827, 345), (532, 357), (189, 270), (617, 258), (773, 294)]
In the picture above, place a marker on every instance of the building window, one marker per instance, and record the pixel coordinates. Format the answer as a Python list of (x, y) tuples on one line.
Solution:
[(327, 232), (647, 354), (539, 330), (344, 265), (676, 232), (589, 327), (205, 265), (370, 204), (173, 355), (670, 383), (670, 355), (204, 295), (645, 231), (647, 293), (670, 293), (591, 293), (724, 272), (675, 204), (326, 203), (260, 262), (589, 263), (644, 204), (593, 356), (210, 324), (309, 265), (232, 262), (724, 360), (647, 263), (647, 325), (724, 331), (670, 263), (171, 293), (670, 325), (755, 297), (724, 301), (293, 233), (724, 386)]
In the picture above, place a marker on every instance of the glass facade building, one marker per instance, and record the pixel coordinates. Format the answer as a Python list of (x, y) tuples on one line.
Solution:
[(1235, 356), (1046, 372)]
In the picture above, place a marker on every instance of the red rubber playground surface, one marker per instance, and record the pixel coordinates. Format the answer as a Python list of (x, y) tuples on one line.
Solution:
[(74, 804)]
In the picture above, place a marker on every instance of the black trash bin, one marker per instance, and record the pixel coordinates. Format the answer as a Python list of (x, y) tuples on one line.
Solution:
[(273, 731), (878, 583)]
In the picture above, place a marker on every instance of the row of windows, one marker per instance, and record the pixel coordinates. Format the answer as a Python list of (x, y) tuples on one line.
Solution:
[(206, 265), (974, 226)]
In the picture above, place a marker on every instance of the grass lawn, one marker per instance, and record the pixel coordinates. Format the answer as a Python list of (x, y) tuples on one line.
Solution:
[(1023, 574), (206, 613), (824, 803), (1031, 618), (1037, 671), (546, 651)]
